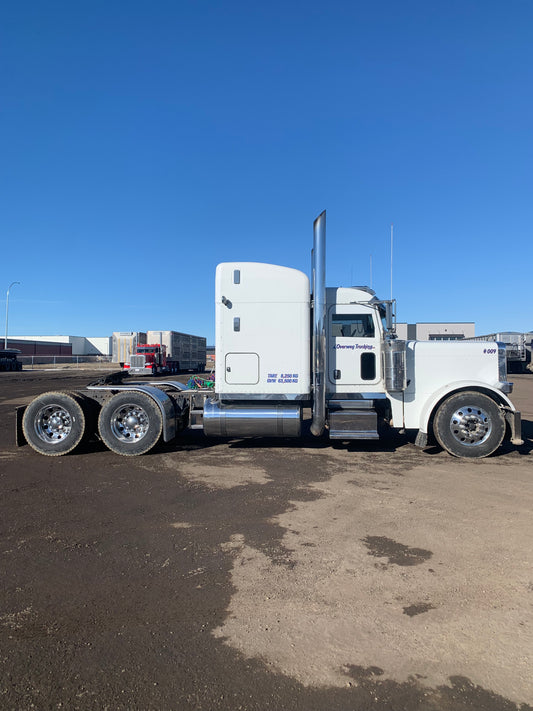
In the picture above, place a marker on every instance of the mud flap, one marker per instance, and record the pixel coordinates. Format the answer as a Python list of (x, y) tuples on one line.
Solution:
[(421, 439), (20, 440), (514, 420)]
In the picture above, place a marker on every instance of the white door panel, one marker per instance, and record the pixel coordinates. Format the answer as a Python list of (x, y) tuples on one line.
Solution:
[(242, 368), (353, 348)]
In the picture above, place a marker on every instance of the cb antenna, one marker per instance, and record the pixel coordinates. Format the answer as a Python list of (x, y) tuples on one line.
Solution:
[(391, 249)]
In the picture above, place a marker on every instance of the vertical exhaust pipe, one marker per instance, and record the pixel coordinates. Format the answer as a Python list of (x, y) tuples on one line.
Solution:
[(319, 325)]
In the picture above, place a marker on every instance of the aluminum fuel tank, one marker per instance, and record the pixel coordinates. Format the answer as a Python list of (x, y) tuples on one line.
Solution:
[(250, 420)]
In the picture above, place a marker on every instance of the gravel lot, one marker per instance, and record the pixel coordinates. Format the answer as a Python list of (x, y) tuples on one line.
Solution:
[(264, 574)]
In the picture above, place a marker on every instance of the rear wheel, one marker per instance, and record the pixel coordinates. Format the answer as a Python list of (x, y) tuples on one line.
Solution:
[(130, 423), (54, 423), (469, 424)]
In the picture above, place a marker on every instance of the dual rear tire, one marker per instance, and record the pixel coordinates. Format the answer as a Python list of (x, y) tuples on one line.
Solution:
[(130, 423), (55, 423)]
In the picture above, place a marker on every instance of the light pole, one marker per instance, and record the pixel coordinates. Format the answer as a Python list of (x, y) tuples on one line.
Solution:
[(7, 308)]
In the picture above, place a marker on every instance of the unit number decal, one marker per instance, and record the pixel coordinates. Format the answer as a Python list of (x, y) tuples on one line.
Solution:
[(489, 351)]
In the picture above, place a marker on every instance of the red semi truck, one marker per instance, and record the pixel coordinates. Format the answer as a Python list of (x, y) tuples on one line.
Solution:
[(151, 359), (167, 352)]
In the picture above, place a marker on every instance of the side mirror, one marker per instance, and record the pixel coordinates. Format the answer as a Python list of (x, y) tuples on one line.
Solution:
[(390, 316)]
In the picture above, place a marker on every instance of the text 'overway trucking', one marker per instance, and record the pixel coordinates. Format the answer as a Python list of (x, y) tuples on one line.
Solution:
[(282, 345)]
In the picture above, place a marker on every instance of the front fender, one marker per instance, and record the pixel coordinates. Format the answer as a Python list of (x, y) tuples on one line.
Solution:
[(450, 388)]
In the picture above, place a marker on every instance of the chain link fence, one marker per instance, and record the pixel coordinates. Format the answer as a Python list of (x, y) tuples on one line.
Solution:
[(30, 362)]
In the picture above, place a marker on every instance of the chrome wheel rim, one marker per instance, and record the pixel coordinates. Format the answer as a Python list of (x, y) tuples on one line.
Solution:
[(53, 424), (470, 425), (130, 423)]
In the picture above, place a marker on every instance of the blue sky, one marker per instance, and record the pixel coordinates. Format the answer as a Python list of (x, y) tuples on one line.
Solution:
[(143, 143)]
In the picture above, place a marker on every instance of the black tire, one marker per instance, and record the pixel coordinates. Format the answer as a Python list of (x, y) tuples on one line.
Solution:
[(130, 423), (469, 424), (54, 423)]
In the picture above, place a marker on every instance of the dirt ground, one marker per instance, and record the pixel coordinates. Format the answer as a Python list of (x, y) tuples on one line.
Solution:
[(264, 574)]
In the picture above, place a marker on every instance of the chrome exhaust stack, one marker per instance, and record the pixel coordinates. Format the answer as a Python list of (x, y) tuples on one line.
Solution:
[(319, 324)]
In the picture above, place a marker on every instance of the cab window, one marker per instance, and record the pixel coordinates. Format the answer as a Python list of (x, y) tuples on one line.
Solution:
[(352, 326)]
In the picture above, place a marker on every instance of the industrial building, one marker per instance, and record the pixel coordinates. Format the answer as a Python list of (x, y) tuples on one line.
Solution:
[(62, 345), (426, 331)]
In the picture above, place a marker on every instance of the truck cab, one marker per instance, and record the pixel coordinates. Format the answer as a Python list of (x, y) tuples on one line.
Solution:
[(148, 359), (354, 338)]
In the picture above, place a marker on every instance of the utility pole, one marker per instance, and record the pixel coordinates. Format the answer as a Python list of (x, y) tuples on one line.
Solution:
[(7, 308)]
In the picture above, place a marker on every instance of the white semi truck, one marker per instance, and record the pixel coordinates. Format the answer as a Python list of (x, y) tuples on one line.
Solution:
[(283, 345)]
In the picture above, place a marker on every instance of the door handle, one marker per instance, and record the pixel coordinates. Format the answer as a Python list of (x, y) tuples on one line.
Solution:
[(336, 375)]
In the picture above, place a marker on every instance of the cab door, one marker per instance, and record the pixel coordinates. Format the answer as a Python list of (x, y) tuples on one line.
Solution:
[(353, 346)]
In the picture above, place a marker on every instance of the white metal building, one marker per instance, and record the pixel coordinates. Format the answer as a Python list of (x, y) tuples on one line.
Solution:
[(436, 331), (81, 345)]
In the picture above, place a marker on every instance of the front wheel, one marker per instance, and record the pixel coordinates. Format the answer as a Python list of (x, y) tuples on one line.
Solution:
[(469, 424), (130, 423), (54, 423)]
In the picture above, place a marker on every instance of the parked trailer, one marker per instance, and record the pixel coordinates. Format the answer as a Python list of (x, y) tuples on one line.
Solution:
[(8, 359), (186, 350), (283, 345)]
